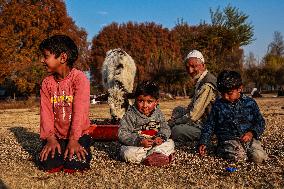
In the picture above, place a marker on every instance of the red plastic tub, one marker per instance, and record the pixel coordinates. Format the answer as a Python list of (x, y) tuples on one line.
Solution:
[(104, 132)]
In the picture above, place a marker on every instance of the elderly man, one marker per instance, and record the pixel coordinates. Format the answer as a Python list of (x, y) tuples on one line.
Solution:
[(186, 123)]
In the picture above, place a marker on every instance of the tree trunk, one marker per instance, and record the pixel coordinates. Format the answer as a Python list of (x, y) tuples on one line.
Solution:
[(184, 90)]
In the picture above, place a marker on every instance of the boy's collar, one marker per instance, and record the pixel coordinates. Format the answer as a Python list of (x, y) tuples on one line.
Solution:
[(67, 76), (201, 76)]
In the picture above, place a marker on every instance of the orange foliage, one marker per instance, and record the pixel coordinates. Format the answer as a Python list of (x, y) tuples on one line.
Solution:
[(153, 48), (23, 25)]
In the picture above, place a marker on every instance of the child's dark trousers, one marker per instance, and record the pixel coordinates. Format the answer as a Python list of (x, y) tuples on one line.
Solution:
[(58, 162)]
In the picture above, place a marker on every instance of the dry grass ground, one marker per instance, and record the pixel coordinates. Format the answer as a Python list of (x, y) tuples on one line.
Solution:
[(19, 143)]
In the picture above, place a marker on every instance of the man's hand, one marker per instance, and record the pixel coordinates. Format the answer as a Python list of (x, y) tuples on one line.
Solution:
[(74, 147), (158, 141), (50, 147), (202, 149), (146, 143), (171, 122), (247, 137)]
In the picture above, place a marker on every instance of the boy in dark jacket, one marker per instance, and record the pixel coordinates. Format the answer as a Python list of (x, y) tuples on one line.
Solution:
[(236, 120), (143, 131)]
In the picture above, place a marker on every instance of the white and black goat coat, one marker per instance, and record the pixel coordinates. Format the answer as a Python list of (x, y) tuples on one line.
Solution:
[(118, 73)]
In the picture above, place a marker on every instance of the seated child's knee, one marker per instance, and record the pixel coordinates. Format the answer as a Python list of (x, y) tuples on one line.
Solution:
[(77, 165), (232, 150), (258, 156), (239, 157), (234, 156), (177, 132), (123, 153), (171, 143), (131, 155), (257, 153)]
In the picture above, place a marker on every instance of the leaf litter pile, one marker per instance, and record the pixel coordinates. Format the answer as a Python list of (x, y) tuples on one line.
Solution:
[(19, 145)]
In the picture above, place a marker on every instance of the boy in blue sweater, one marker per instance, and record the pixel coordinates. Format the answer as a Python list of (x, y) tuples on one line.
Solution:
[(236, 120)]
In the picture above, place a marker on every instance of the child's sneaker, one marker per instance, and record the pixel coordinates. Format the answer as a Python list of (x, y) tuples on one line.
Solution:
[(156, 159)]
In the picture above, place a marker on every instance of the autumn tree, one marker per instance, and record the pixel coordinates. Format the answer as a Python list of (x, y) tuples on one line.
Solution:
[(274, 61), (235, 21), (273, 68), (159, 52), (23, 25), (233, 31), (253, 71), (276, 47), (153, 48), (220, 41)]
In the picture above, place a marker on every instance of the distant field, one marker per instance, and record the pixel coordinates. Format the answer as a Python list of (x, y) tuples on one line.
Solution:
[(19, 143)]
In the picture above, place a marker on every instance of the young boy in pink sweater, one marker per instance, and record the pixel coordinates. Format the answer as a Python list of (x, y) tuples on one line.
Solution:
[(64, 109)]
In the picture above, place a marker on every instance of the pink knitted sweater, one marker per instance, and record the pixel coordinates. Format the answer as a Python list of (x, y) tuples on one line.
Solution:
[(64, 106)]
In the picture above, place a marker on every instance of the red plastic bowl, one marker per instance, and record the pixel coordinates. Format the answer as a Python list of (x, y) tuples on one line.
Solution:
[(104, 132)]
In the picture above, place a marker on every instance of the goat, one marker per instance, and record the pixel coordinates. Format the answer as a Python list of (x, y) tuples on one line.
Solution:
[(118, 74)]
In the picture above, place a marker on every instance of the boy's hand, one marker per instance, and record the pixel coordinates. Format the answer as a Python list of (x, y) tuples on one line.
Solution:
[(202, 149), (158, 141), (146, 143), (73, 147), (50, 147), (247, 137)]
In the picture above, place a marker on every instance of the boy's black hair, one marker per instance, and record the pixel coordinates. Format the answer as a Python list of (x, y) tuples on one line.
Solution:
[(148, 88), (58, 44), (228, 81)]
